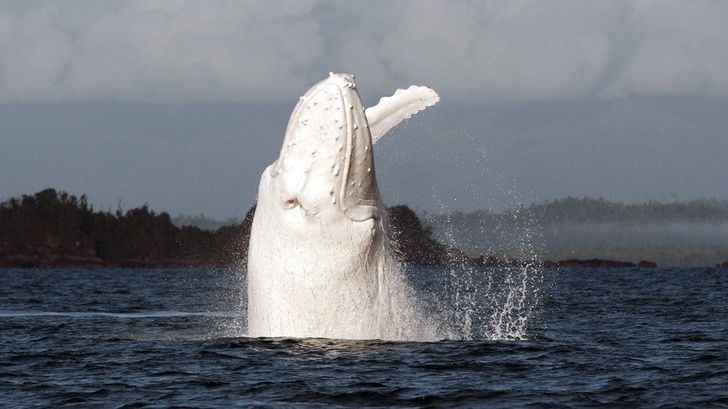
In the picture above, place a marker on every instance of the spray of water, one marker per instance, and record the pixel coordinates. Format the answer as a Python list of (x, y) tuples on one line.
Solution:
[(495, 303)]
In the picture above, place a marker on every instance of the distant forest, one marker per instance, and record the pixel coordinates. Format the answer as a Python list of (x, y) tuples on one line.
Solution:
[(52, 227), (589, 210)]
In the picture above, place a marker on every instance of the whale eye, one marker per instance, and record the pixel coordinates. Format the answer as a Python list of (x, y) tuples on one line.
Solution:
[(290, 203)]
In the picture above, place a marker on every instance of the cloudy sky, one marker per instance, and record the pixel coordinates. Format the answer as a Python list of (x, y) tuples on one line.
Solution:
[(181, 104)]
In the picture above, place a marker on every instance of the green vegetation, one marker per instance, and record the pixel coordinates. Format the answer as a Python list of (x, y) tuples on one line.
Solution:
[(55, 228), (589, 210)]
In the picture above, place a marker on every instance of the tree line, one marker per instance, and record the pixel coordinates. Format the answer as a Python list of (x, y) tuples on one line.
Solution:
[(599, 210), (56, 228)]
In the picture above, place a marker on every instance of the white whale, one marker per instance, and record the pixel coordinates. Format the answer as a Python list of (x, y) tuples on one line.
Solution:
[(319, 263)]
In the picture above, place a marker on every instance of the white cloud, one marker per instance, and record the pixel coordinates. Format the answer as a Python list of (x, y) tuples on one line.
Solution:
[(679, 48), (520, 50), (158, 51), (180, 51)]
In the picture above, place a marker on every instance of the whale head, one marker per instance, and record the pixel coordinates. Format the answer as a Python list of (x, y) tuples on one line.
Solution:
[(325, 170), (318, 260)]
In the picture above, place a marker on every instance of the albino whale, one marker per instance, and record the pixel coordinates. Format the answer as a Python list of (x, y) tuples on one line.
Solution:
[(319, 263)]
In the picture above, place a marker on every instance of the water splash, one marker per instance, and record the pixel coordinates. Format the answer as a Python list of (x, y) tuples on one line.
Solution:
[(495, 303)]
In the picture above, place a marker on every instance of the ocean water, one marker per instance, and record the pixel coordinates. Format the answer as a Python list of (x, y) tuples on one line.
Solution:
[(127, 338)]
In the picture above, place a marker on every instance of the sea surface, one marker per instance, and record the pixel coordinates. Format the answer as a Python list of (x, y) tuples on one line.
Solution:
[(128, 338)]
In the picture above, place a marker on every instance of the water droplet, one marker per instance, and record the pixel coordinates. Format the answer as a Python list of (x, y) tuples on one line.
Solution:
[(369, 170), (333, 200), (356, 126)]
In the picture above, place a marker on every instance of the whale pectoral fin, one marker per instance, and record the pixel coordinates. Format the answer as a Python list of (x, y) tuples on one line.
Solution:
[(390, 111)]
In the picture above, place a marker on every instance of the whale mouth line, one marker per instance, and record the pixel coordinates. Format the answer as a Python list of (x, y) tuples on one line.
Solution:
[(349, 149), (363, 209)]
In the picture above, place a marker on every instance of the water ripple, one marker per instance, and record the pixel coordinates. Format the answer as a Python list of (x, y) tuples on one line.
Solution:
[(164, 339)]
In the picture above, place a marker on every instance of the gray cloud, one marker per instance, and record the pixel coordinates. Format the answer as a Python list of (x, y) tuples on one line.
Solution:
[(187, 51)]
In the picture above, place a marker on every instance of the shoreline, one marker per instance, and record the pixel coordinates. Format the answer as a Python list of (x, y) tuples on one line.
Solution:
[(55, 262), (53, 229)]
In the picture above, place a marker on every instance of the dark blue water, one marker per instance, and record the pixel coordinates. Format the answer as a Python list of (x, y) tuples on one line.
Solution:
[(159, 338)]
